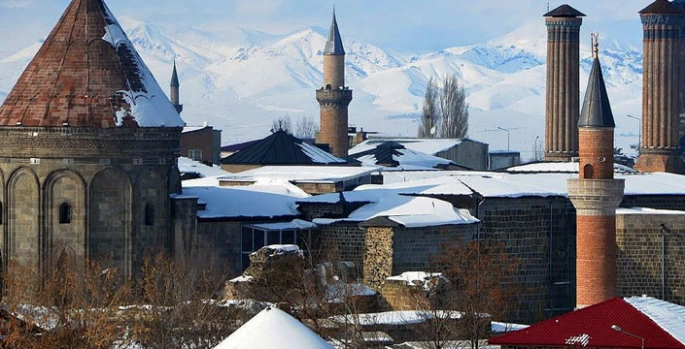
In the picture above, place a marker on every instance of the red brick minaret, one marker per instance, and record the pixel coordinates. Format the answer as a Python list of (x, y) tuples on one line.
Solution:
[(596, 195), (563, 79), (334, 97), (661, 22)]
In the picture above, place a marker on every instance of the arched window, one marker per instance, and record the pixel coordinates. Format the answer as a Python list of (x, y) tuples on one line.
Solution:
[(588, 171), (64, 213), (149, 215)]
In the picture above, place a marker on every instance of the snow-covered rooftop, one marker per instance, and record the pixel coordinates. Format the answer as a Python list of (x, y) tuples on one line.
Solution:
[(294, 224), (263, 199), (186, 165), (401, 317), (495, 184), (649, 211), (303, 173), (409, 211), (560, 167), (430, 146), (669, 316), (273, 328)]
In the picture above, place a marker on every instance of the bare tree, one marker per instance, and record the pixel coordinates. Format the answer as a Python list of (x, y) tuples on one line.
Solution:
[(429, 114), (306, 127), (480, 286), (283, 123), (445, 111)]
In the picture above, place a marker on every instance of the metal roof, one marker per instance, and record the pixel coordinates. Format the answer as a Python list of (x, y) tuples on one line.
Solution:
[(591, 327), (596, 110), (564, 11), (281, 148), (174, 77), (661, 7), (334, 45)]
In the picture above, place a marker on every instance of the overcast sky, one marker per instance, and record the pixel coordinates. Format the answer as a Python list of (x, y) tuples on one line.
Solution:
[(405, 25)]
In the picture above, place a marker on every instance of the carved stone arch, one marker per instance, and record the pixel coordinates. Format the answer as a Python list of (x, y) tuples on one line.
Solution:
[(23, 242), (65, 188), (109, 238), (151, 213)]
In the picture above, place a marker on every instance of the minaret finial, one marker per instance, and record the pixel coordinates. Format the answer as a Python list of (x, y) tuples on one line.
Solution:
[(595, 45)]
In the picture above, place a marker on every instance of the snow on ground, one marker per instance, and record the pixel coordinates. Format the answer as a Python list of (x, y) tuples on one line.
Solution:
[(273, 328)]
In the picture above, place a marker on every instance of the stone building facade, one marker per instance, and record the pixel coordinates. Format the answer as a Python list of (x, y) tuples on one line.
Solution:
[(89, 150)]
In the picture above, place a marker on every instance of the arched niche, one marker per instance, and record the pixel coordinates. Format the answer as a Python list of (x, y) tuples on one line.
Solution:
[(23, 217), (109, 220), (65, 214)]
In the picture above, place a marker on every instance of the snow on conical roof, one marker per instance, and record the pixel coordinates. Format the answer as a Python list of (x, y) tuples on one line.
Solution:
[(87, 74), (273, 328)]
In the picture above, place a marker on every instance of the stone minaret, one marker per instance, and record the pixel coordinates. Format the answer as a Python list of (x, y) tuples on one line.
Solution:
[(175, 86), (334, 97), (563, 93), (661, 22), (596, 195)]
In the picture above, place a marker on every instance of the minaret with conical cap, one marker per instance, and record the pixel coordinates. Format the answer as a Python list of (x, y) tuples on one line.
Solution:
[(175, 86), (661, 23), (563, 80), (596, 194), (334, 97)]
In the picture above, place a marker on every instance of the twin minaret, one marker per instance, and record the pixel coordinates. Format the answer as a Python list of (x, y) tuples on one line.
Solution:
[(595, 194), (563, 77), (334, 97)]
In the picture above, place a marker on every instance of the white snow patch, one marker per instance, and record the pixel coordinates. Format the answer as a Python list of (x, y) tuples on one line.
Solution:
[(501, 327), (416, 278), (318, 155), (670, 317), (401, 317), (582, 339), (273, 328), (294, 224)]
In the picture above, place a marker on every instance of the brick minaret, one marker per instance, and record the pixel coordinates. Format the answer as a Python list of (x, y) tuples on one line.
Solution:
[(596, 195), (175, 86), (661, 22), (563, 93), (334, 97)]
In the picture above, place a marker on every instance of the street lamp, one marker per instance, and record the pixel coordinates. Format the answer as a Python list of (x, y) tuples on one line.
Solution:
[(507, 131), (639, 132), (618, 328)]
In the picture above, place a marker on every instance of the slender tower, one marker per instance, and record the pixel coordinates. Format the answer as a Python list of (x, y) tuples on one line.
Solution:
[(596, 195), (175, 85), (659, 151), (334, 97), (563, 80)]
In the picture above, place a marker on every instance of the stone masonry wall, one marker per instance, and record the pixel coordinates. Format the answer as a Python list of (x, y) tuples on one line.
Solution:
[(540, 233), (650, 256), (378, 256), (413, 248)]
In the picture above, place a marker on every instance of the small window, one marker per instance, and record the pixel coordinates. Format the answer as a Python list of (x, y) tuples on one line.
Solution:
[(195, 154), (65, 213), (588, 172), (149, 215)]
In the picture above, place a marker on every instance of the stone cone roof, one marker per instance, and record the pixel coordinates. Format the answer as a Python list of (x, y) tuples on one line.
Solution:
[(174, 77), (87, 74), (334, 45), (564, 11), (596, 110), (661, 7)]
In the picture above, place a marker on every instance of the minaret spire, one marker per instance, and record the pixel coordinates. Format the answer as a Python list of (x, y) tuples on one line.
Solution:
[(334, 97), (175, 89), (595, 45)]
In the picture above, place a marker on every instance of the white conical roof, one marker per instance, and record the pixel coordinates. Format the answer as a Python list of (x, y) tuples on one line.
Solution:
[(273, 329)]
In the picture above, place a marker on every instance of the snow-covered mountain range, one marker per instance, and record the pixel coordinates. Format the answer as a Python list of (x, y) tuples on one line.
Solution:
[(239, 80)]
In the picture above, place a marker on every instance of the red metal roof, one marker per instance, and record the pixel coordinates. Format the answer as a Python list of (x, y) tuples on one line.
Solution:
[(591, 327)]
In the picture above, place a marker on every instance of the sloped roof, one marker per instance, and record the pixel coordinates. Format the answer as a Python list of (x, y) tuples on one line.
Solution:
[(596, 110), (661, 7), (395, 154), (592, 326), (430, 146), (334, 45), (273, 328), (281, 148), (87, 74), (564, 11)]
